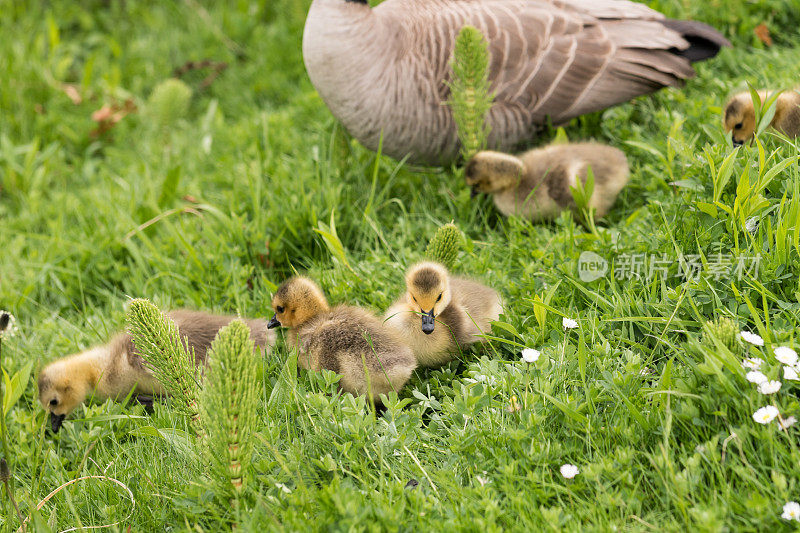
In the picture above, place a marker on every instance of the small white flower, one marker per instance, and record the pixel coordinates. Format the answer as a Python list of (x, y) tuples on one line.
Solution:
[(787, 422), (284, 488), (753, 363), (754, 376), (751, 224), (484, 479), (765, 415), (752, 338), (569, 471), (568, 323), (786, 355), (529, 355), (8, 324), (769, 387), (791, 511), (790, 373)]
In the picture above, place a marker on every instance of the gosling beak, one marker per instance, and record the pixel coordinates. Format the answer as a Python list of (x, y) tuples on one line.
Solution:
[(427, 322), (273, 322), (737, 143), (474, 192), (56, 421)]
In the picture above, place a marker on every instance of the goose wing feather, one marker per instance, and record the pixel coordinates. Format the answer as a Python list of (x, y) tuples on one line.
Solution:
[(559, 58)]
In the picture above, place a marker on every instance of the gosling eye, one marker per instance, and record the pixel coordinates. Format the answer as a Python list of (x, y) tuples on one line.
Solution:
[(439, 298), (279, 309), (414, 298), (53, 402), (738, 126)]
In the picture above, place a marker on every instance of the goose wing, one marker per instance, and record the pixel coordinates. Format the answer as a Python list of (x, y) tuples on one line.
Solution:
[(565, 58)]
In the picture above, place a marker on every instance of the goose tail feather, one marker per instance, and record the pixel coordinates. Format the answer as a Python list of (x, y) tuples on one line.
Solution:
[(704, 41)]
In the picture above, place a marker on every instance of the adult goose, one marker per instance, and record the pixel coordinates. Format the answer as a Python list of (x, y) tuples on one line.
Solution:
[(385, 70)]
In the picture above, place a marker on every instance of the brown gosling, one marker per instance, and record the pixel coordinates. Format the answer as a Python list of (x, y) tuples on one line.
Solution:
[(536, 185), (739, 116), (370, 357), (464, 310), (116, 369)]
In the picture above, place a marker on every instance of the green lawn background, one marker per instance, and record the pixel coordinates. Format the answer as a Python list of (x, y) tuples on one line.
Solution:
[(211, 208)]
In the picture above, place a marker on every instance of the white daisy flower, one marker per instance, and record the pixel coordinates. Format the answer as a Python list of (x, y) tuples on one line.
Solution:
[(8, 324), (791, 511), (751, 224), (787, 422), (529, 355), (765, 415), (753, 363), (752, 338), (754, 376), (769, 387), (790, 373), (569, 323), (569, 471), (786, 355)]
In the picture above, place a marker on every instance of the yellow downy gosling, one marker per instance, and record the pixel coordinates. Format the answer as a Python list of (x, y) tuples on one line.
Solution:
[(463, 309), (116, 369), (536, 185), (739, 116), (354, 343)]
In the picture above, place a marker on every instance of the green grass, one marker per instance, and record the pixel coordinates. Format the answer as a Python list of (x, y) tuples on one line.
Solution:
[(215, 208)]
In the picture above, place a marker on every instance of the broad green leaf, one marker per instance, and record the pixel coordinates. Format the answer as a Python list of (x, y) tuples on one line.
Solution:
[(15, 387), (507, 327), (768, 112), (724, 174), (707, 208)]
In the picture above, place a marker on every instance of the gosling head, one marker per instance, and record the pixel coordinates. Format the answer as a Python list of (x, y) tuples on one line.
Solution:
[(428, 286), (61, 390), (296, 301), (739, 118), (489, 172)]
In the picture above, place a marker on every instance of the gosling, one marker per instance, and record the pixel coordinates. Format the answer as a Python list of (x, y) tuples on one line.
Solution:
[(370, 356), (739, 116), (536, 185), (116, 369), (463, 308)]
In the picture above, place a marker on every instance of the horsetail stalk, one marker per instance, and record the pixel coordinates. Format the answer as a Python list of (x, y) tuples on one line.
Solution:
[(228, 407), (470, 98), (169, 358)]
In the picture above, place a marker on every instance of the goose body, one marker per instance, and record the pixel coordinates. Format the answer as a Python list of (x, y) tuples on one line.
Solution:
[(116, 369), (441, 315), (370, 356), (385, 70), (536, 185), (739, 117)]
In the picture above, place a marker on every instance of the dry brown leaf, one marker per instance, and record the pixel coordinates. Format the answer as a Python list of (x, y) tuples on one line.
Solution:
[(762, 32), (103, 114), (72, 93), (108, 116)]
